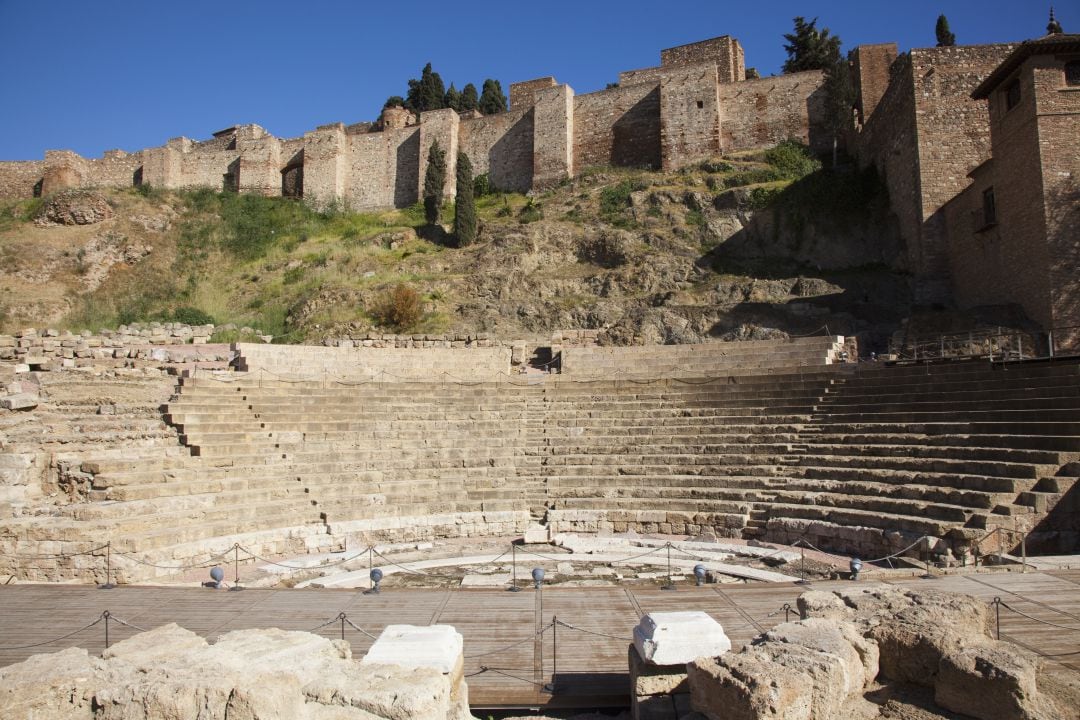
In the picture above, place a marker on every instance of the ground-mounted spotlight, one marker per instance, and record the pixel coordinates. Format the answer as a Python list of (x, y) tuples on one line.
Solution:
[(216, 576), (537, 576), (699, 574), (855, 565), (376, 578)]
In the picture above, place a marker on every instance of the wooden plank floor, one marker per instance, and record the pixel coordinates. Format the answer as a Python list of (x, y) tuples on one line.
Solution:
[(508, 660)]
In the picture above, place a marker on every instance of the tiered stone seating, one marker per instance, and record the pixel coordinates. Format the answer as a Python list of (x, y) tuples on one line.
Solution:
[(862, 459), (949, 451), (759, 357), (669, 456)]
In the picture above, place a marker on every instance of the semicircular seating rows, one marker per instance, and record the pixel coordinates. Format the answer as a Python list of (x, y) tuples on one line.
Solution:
[(771, 441)]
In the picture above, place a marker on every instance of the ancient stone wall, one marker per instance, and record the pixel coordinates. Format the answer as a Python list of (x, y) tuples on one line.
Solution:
[(387, 364), (382, 169), (20, 179), (870, 74), (1058, 107), (887, 141), (953, 138), (167, 343), (618, 126), (725, 51), (553, 136), (441, 125), (325, 164), (758, 113), (523, 94), (501, 145), (689, 115)]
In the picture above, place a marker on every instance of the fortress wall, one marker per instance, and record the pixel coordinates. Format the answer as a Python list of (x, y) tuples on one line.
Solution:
[(501, 145), (870, 75), (618, 126), (757, 113), (887, 141), (260, 165), (116, 169), (523, 94), (325, 161), (953, 138), (553, 136), (725, 51), (689, 115), (19, 178), (382, 168), (977, 262), (444, 126)]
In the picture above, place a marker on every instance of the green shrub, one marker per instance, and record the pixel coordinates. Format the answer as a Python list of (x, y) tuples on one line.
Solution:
[(293, 275), (716, 166), (752, 176), (762, 197), (530, 212), (792, 160), (191, 316), (482, 185)]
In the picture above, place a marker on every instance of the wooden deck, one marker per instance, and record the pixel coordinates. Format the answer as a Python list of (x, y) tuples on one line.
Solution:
[(506, 664)]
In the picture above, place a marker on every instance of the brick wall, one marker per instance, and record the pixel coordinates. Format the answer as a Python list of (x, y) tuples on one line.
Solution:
[(523, 94), (953, 139), (501, 145), (618, 126), (325, 156), (1058, 107), (725, 51), (441, 125), (690, 115), (18, 179), (758, 113), (382, 169), (870, 75), (553, 136), (887, 141)]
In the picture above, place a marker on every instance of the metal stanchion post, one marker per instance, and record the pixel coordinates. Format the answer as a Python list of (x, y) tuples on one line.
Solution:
[(236, 567), (550, 687), (108, 568), (106, 616), (1023, 552), (513, 583), (370, 566), (670, 585), (997, 618), (341, 617)]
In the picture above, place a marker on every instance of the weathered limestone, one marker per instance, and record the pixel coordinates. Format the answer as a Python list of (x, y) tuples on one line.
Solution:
[(171, 672)]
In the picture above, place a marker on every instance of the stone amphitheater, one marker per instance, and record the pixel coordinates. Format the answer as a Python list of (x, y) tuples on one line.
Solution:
[(302, 450)]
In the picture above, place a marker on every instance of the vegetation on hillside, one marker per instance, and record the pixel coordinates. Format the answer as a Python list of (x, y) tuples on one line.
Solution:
[(630, 250)]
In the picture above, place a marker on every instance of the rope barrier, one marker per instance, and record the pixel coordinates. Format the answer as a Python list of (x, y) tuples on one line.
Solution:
[(531, 638), (356, 627), (592, 632), (210, 562), (62, 637), (123, 622), (399, 565), (304, 567), (1029, 617)]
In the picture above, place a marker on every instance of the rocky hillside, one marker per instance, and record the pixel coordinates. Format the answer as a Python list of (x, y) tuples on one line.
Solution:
[(744, 246)]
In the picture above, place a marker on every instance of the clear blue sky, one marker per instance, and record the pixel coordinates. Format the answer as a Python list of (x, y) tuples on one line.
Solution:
[(93, 75)]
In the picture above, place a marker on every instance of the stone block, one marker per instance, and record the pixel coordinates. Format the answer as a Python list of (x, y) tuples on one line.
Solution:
[(647, 678), (19, 401), (414, 646), (671, 638), (748, 686), (992, 681)]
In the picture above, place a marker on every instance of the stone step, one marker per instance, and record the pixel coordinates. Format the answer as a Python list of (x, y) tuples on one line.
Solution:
[(982, 483), (854, 446), (936, 465)]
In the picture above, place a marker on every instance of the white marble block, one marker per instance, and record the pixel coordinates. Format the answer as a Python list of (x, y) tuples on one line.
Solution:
[(416, 646), (676, 638)]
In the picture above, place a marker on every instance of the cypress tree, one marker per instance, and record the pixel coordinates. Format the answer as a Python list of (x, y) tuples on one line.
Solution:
[(465, 207), (469, 99), (434, 182), (427, 93), (945, 38), (809, 48), (452, 99), (492, 99)]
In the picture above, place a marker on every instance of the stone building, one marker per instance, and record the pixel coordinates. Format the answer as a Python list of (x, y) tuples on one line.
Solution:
[(1014, 232)]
